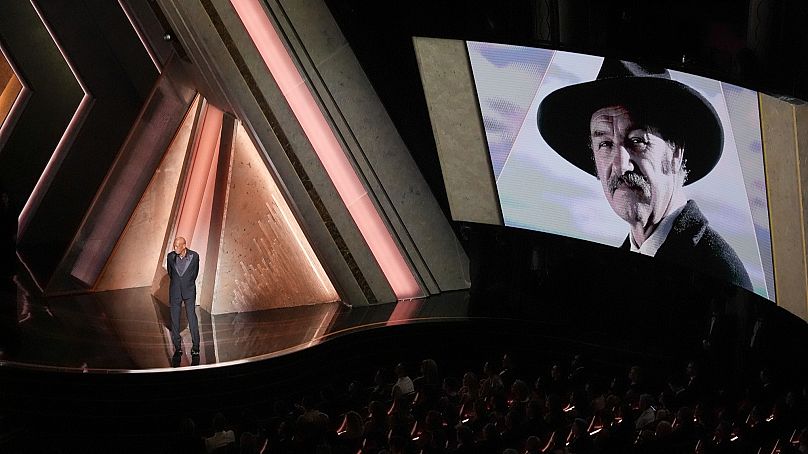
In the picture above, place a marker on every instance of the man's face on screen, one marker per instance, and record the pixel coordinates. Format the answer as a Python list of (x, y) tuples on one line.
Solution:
[(638, 170)]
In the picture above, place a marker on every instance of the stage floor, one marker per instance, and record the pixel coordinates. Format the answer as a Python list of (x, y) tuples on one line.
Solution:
[(128, 330)]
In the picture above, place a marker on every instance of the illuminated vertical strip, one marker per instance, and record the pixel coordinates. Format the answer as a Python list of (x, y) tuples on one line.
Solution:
[(65, 141), (8, 123), (325, 144), (203, 156), (146, 46)]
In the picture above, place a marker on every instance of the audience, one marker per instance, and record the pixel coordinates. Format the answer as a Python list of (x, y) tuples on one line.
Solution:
[(579, 412)]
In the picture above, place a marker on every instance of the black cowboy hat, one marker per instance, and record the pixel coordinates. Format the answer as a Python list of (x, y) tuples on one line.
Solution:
[(673, 107)]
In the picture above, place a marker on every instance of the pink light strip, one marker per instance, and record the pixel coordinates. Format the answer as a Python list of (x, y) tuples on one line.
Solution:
[(325, 144), (146, 46), (207, 148), (64, 143), (16, 108)]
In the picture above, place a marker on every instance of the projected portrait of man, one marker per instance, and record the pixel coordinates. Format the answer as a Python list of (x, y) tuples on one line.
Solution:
[(646, 137)]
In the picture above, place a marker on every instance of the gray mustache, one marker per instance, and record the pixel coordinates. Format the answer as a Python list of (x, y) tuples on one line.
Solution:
[(632, 180)]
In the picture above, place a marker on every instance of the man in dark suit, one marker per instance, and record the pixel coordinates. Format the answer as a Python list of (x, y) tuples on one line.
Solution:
[(645, 137), (183, 268)]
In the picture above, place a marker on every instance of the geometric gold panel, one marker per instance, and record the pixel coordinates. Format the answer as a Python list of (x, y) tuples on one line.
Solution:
[(138, 253), (265, 260)]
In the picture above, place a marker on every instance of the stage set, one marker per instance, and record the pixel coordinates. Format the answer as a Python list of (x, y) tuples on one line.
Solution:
[(253, 130), (297, 194), (341, 189)]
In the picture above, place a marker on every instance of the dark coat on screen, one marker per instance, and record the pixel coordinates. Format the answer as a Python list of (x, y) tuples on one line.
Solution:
[(692, 243)]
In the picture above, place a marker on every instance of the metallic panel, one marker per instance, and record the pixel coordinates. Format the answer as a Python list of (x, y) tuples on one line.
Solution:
[(140, 249), (786, 202), (127, 180), (265, 261), (458, 129)]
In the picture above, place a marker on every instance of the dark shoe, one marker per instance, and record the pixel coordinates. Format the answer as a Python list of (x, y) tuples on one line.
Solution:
[(194, 352)]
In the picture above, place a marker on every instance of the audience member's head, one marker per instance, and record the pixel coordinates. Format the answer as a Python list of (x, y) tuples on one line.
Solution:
[(520, 391), (248, 443), (401, 370), (465, 436), (663, 430), (429, 370), (532, 445), (352, 425), (187, 427), (376, 410), (219, 422), (396, 444), (646, 400)]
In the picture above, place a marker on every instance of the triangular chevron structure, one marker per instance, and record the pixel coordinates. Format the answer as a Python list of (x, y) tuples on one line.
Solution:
[(261, 258), (139, 251), (265, 260)]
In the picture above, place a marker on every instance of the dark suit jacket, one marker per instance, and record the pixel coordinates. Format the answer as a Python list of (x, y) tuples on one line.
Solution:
[(182, 287), (692, 243)]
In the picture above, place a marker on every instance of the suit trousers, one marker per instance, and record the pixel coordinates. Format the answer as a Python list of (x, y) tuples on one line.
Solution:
[(193, 323)]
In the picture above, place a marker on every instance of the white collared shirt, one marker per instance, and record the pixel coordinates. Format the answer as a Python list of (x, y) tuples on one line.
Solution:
[(652, 244)]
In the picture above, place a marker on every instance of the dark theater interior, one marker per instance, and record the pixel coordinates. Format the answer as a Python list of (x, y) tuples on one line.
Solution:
[(417, 226)]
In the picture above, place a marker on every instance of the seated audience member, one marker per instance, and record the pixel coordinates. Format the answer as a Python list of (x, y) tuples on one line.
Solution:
[(381, 389), (555, 417), (187, 440), (465, 440), (492, 390), (693, 381), (248, 444), (403, 386), (478, 417), (520, 393), (683, 428), (429, 375), (311, 426), (328, 401), (507, 374), (433, 438), (534, 420), (558, 383), (580, 441), (647, 413), (579, 374), (376, 426), (397, 445), (356, 397), (636, 384), (490, 441), (449, 401), (350, 434), (470, 391), (428, 386), (221, 438)]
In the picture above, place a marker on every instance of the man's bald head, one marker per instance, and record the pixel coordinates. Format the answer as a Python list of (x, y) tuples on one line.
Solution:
[(179, 245)]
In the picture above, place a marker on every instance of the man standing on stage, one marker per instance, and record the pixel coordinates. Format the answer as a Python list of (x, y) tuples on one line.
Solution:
[(183, 268)]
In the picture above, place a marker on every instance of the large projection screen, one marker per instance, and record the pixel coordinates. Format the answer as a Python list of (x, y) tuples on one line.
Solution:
[(538, 189)]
